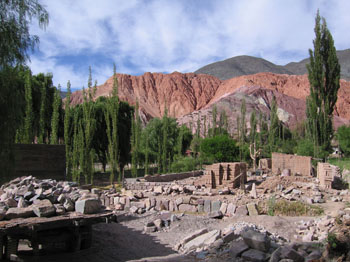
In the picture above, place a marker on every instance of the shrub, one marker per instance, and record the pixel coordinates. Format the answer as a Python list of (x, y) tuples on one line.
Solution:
[(221, 148), (184, 164)]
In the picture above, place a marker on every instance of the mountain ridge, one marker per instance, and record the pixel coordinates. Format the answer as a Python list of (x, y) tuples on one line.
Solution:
[(248, 65)]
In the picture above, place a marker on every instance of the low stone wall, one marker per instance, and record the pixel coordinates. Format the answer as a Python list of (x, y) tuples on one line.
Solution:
[(173, 177), (133, 184), (181, 204)]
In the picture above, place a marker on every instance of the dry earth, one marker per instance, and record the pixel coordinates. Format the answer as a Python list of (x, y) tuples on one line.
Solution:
[(125, 241)]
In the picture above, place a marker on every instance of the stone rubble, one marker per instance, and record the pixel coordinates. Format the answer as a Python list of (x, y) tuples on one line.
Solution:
[(29, 197), (245, 242)]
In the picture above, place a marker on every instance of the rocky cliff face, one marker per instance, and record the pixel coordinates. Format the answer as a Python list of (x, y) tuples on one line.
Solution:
[(180, 93), (185, 94)]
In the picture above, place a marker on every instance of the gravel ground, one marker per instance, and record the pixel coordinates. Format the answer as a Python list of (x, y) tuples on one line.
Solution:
[(125, 241)]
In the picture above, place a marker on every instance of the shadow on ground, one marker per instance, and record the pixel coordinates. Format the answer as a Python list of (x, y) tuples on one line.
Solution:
[(111, 242)]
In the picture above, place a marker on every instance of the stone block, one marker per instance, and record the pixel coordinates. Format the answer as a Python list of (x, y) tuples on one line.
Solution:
[(187, 208), (231, 209), (15, 212), (237, 248), (242, 211), (290, 253), (44, 208), (223, 208), (256, 240), (68, 205), (88, 206), (252, 210), (207, 205), (204, 239), (193, 235), (215, 205)]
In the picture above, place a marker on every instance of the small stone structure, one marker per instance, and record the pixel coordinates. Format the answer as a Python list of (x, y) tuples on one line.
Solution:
[(296, 164), (224, 175), (328, 175)]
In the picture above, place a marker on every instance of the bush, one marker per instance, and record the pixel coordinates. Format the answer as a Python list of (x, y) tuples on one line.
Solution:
[(184, 164), (221, 148), (306, 147)]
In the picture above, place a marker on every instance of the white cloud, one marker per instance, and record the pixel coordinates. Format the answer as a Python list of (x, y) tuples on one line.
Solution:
[(178, 35)]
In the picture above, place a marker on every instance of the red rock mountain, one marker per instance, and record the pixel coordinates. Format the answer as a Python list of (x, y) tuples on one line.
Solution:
[(183, 94)]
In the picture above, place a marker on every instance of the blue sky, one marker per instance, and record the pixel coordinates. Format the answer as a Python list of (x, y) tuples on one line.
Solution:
[(176, 35)]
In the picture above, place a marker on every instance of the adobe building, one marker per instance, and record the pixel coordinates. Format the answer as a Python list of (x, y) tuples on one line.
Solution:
[(300, 165), (222, 175)]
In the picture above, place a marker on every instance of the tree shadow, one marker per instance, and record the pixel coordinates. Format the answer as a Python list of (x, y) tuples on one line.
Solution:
[(111, 242)]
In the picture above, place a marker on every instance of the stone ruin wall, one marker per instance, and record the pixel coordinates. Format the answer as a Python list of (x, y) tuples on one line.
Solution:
[(221, 175), (296, 164), (327, 174)]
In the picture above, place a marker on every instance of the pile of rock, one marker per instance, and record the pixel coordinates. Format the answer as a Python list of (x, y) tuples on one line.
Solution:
[(318, 229), (27, 196), (245, 242), (163, 220)]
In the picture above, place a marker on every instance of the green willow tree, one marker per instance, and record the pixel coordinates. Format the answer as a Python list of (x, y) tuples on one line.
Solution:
[(67, 127), (55, 116), (111, 118), (15, 44), (324, 75)]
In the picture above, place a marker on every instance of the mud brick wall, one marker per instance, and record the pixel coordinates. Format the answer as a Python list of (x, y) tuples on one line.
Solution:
[(173, 177), (41, 161), (296, 164)]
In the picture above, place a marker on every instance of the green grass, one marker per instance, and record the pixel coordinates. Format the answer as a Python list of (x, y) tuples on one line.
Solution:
[(343, 163), (283, 207)]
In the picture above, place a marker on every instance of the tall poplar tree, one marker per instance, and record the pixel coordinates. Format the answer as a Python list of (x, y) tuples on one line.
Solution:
[(55, 116), (29, 115), (42, 120), (165, 131), (67, 127), (135, 140), (324, 75), (111, 117), (89, 125)]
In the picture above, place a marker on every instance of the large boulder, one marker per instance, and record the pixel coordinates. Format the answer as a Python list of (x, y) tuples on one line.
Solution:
[(88, 206)]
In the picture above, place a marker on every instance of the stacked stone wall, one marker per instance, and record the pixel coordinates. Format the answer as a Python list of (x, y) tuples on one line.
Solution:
[(173, 177), (221, 175)]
